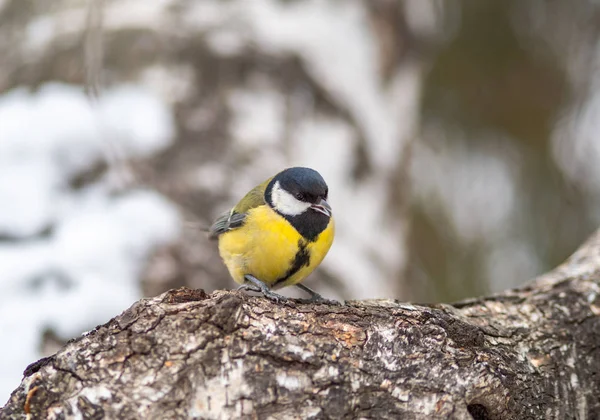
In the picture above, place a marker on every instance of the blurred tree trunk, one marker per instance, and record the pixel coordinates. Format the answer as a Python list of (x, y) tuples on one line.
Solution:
[(526, 353)]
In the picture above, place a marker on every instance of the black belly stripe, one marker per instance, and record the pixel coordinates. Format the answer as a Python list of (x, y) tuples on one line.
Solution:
[(301, 259)]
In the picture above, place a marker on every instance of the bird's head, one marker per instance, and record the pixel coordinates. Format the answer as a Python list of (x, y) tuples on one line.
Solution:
[(297, 192)]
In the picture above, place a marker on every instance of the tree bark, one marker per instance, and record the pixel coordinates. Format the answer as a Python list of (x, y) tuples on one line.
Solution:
[(532, 352)]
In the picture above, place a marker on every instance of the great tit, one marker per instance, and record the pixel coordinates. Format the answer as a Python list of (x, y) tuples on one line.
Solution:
[(278, 233)]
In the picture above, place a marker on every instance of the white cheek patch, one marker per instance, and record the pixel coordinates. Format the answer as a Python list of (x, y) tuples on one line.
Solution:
[(286, 203)]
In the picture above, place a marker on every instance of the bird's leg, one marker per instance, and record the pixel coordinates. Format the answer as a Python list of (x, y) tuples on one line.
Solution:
[(315, 297), (256, 285)]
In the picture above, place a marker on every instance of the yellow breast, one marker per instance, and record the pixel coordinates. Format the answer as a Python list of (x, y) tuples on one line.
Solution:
[(268, 247)]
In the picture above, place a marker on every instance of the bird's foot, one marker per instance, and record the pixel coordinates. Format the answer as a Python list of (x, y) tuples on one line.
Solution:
[(256, 285), (248, 286), (315, 297), (275, 297)]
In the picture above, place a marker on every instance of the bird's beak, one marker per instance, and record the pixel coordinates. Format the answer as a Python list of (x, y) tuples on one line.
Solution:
[(322, 207)]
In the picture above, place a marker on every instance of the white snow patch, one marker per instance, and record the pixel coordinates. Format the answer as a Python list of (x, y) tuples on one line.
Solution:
[(136, 120), (258, 117), (48, 137), (85, 268)]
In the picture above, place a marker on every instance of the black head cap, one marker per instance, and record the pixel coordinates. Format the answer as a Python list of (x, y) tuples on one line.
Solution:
[(304, 183), (308, 186)]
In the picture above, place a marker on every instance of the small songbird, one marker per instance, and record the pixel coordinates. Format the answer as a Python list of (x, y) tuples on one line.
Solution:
[(278, 233)]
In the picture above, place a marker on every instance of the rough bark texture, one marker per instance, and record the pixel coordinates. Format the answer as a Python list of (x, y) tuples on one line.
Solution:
[(527, 353)]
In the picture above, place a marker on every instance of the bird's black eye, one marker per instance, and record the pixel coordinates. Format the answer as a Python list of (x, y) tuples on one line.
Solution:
[(300, 196)]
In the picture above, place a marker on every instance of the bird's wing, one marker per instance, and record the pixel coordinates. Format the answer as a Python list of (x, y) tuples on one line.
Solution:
[(225, 223), (236, 216)]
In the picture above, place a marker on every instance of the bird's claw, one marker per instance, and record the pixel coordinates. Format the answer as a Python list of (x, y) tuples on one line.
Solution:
[(250, 287), (315, 297), (255, 285), (275, 297)]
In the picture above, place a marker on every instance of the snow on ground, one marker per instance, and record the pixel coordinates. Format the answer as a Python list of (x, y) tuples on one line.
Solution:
[(70, 258)]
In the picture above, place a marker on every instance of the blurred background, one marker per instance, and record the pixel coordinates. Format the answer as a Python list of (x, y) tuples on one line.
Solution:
[(459, 140)]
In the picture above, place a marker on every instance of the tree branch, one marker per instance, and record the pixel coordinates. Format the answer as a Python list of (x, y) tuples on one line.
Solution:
[(532, 352)]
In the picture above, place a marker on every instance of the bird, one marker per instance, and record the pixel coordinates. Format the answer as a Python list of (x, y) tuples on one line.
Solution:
[(278, 233)]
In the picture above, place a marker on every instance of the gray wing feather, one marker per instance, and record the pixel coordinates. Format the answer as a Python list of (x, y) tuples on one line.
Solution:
[(225, 223)]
